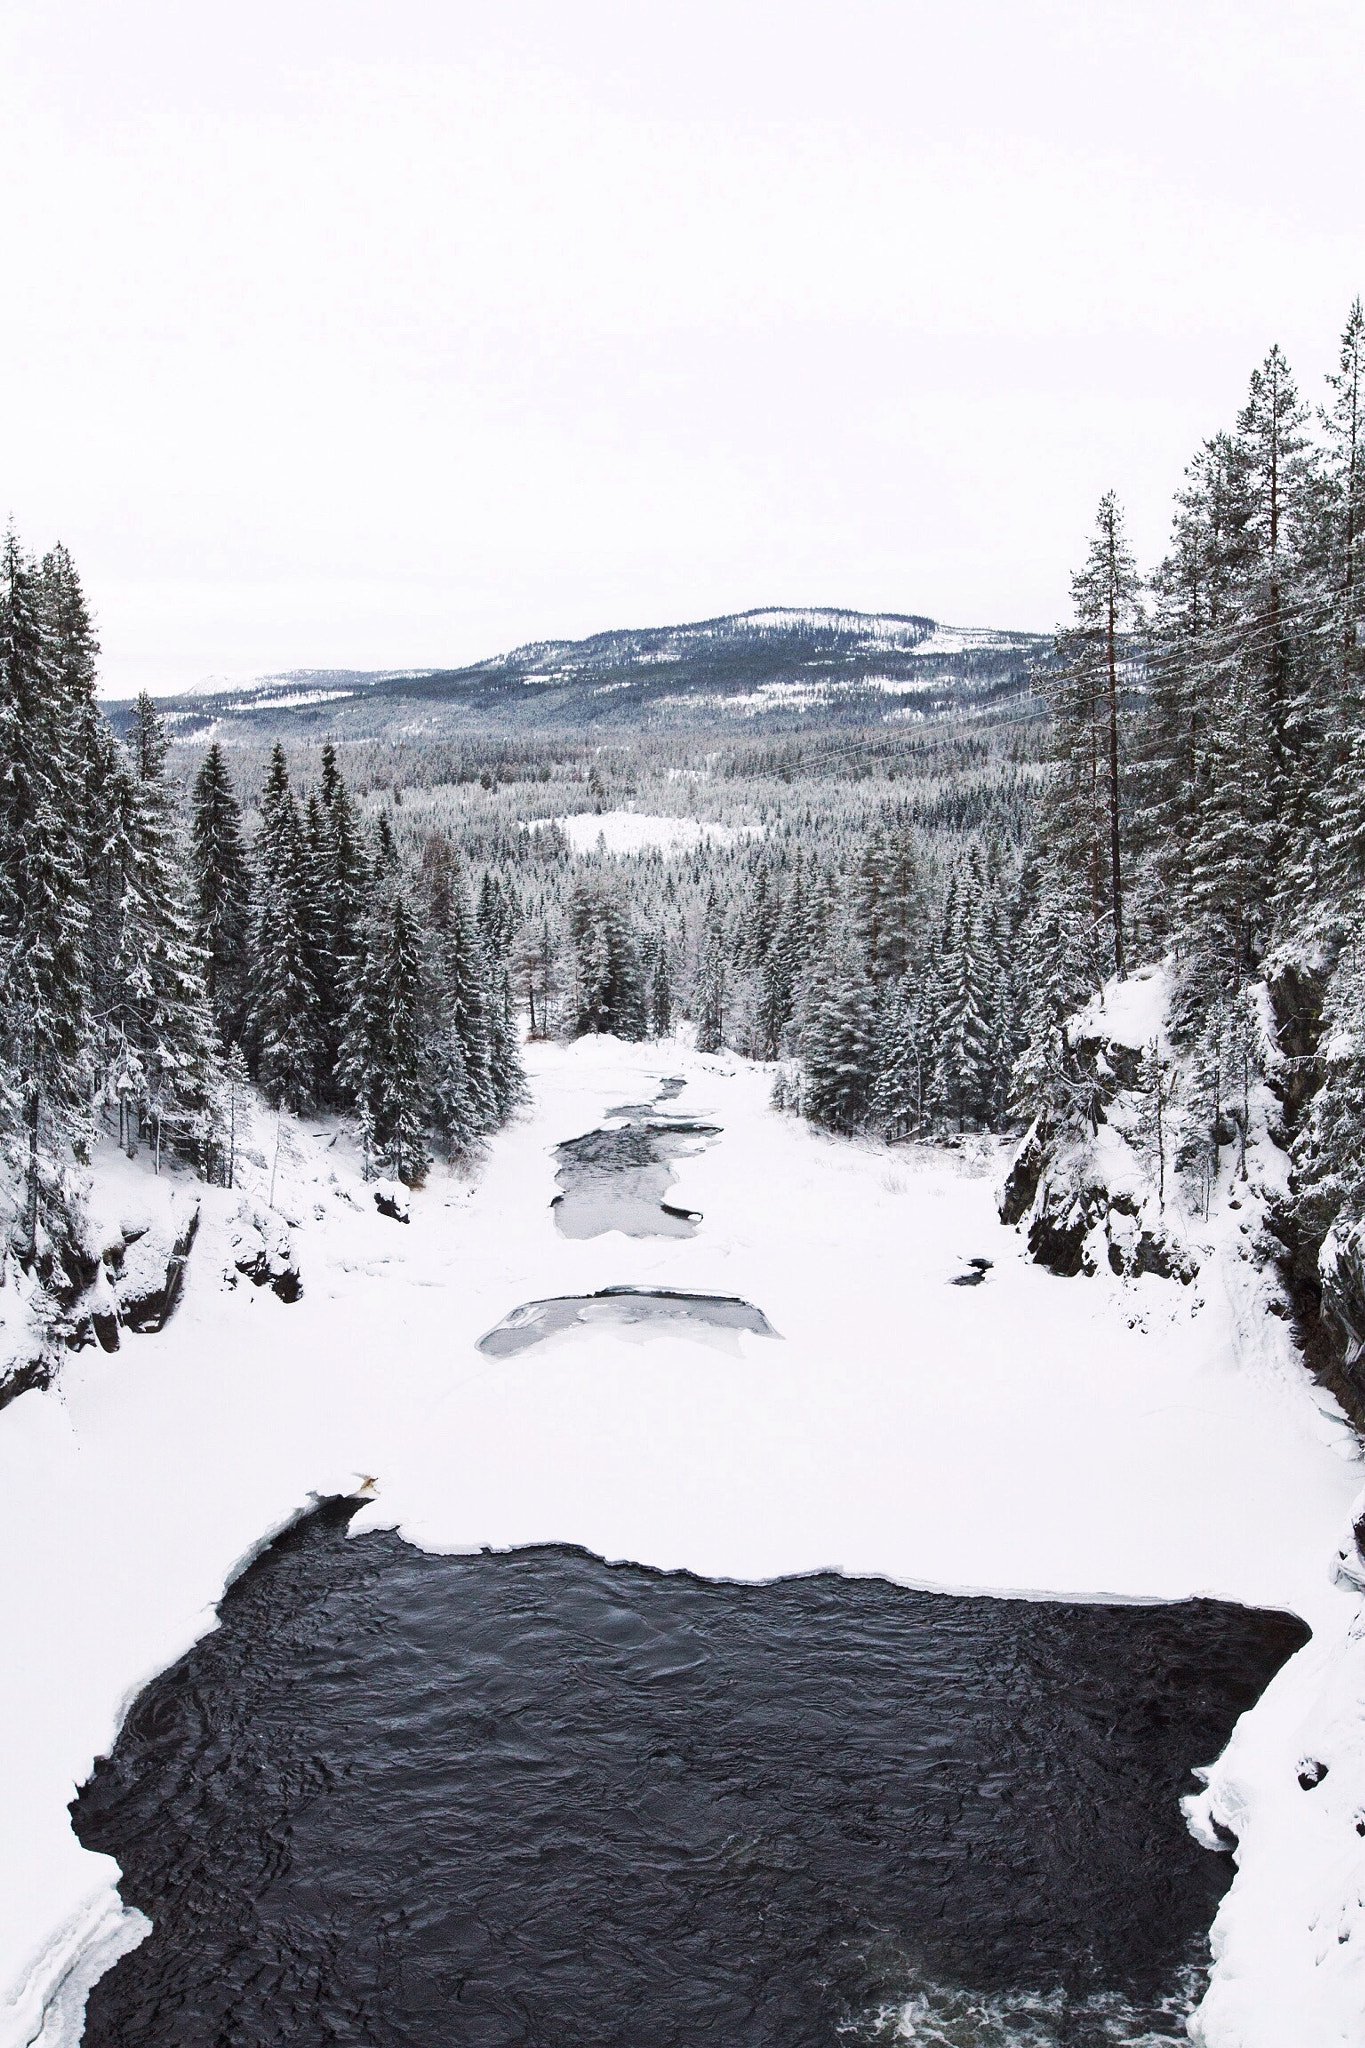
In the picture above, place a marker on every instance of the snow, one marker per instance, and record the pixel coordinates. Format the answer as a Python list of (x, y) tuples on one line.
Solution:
[(890, 627), (1029, 1435), (1131, 1012), (636, 831), (968, 639)]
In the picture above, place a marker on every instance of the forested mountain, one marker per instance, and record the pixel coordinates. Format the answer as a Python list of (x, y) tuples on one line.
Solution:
[(779, 667)]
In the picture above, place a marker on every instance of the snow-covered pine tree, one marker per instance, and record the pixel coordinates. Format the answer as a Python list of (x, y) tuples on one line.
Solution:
[(660, 991), (1186, 654), (222, 893), (787, 962), (609, 991), (838, 1041), (888, 903), (1095, 649), (341, 884), (1343, 423), (159, 1012), (506, 1074), (283, 1021), (43, 894), (709, 995), (461, 978), (1329, 1157), (386, 858), (1277, 472), (498, 915), (537, 968), (386, 1064), (963, 1086), (1232, 842), (898, 1103)]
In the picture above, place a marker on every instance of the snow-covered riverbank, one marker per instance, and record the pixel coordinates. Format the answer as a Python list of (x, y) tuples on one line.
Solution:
[(1028, 1434)]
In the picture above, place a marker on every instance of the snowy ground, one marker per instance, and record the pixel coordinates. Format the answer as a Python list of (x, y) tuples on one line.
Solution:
[(1030, 1435), (637, 831)]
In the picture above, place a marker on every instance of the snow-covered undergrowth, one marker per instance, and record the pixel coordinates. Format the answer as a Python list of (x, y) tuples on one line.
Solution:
[(1135, 1439)]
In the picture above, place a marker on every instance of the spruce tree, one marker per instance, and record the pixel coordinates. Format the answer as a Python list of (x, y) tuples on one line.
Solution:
[(283, 1012), (839, 1035), (609, 984), (709, 998), (222, 893), (385, 1059), (159, 1011), (507, 1077), (43, 886), (462, 977), (341, 885), (660, 991)]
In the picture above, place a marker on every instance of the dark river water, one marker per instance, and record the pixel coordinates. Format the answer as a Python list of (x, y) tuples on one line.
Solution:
[(471, 1802)]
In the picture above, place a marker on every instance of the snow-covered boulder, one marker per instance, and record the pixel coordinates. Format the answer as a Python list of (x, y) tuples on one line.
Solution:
[(143, 1267), (26, 1353), (263, 1251), (391, 1198)]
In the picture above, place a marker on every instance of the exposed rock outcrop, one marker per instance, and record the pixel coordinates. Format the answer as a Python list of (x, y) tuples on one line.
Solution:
[(263, 1252), (145, 1269), (1089, 1210), (1082, 1193)]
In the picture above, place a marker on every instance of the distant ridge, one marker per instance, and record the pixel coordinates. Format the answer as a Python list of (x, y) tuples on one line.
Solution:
[(781, 666)]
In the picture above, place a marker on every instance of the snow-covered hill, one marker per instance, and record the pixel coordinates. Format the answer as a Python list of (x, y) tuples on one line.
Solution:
[(775, 665), (1106, 1438)]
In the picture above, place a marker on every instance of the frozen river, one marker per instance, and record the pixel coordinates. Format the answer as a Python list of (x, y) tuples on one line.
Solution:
[(889, 1429)]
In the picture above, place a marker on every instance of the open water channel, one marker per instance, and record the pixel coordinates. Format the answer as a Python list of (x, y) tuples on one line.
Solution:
[(532, 1798)]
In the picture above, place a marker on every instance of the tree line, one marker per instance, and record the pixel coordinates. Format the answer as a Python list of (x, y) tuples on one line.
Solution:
[(150, 960)]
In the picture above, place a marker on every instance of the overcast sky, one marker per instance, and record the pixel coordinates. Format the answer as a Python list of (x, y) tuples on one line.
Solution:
[(342, 334)]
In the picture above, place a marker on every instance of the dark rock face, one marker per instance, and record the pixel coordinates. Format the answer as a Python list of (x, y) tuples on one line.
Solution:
[(1296, 998), (1076, 1220), (104, 1323), (1322, 1265), (1058, 1231), (1026, 1170)]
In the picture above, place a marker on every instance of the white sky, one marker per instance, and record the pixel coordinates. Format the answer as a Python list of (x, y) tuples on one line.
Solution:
[(366, 335)]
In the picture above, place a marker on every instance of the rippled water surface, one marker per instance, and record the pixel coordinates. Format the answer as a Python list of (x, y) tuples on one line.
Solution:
[(533, 1798)]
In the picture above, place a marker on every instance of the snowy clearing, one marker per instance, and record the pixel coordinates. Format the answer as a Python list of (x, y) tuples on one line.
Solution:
[(637, 831), (1025, 1435)]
